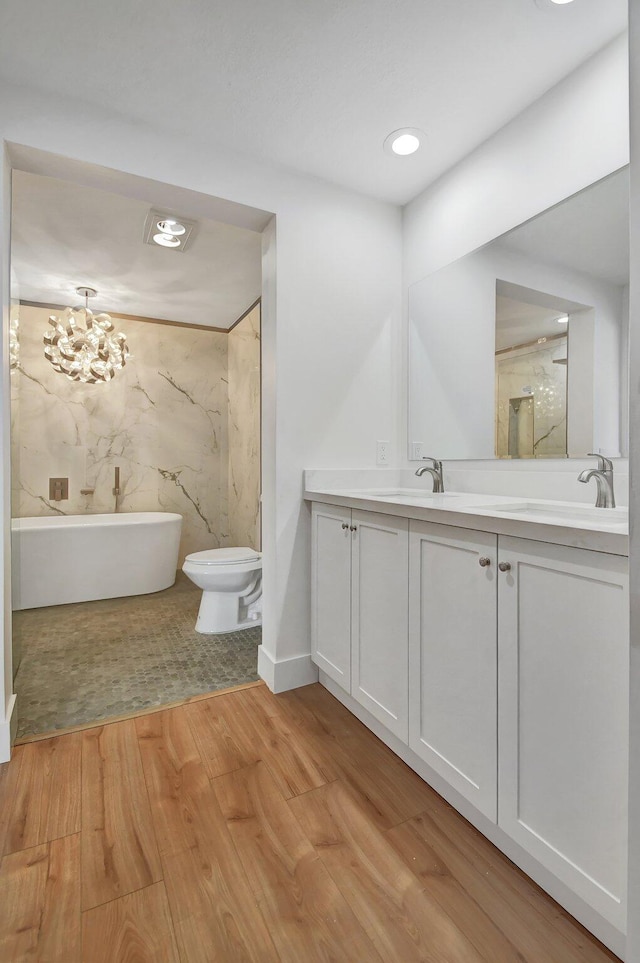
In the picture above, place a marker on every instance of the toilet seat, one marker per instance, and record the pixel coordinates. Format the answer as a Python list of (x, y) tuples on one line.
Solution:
[(223, 556)]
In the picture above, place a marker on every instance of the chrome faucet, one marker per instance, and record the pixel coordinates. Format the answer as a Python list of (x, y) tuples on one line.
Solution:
[(603, 475), (435, 472)]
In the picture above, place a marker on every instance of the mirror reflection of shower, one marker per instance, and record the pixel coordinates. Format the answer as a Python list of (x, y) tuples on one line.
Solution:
[(532, 371), (521, 427)]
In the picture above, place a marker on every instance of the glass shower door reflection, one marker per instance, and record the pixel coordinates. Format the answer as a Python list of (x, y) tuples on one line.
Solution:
[(521, 427)]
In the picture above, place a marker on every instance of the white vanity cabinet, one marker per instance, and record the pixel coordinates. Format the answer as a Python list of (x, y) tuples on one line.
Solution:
[(360, 594), (502, 663), (563, 714), (518, 695), (453, 659)]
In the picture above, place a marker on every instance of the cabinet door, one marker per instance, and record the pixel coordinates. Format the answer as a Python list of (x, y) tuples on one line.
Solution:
[(453, 721), (563, 724), (331, 592), (379, 617)]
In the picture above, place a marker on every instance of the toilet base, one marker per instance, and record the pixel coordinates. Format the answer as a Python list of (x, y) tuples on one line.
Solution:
[(222, 612)]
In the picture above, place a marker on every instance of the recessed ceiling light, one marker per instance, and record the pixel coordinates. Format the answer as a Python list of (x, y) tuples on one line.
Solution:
[(403, 142), (168, 230), (170, 226), (166, 240), (563, 319), (550, 4)]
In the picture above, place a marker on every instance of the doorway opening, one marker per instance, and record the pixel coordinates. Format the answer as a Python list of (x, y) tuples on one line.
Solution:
[(124, 465)]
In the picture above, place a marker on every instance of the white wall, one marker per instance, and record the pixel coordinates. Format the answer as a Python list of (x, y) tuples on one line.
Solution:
[(330, 384)]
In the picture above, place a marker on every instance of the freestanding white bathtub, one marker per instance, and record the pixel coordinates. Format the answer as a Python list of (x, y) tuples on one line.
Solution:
[(79, 558)]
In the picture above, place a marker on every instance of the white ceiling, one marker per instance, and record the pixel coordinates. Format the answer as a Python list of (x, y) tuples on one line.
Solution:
[(518, 322), (65, 235), (314, 86)]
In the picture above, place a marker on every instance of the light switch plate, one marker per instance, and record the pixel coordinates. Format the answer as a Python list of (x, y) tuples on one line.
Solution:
[(415, 451)]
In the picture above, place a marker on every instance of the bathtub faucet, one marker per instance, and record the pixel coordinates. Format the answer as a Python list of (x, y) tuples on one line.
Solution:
[(116, 487)]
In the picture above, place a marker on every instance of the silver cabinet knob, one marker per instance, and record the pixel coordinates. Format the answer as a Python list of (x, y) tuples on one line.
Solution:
[(484, 562), (353, 528), (504, 566), (345, 526)]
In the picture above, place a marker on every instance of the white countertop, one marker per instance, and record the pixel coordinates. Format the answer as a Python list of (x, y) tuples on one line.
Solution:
[(574, 524)]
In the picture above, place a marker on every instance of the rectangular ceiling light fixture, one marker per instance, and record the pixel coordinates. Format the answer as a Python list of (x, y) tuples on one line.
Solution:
[(168, 230)]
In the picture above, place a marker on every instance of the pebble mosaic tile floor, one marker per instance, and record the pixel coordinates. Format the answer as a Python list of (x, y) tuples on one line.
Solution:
[(89, 661)]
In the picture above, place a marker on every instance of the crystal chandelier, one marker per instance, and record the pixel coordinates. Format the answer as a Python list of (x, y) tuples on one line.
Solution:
[(83, 346)]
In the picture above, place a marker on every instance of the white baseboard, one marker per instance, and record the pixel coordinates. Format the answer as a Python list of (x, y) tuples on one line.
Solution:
[(7, 730), (283, 674)]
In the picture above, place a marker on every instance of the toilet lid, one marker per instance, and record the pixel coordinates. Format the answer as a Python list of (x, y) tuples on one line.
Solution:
[(223, 556)]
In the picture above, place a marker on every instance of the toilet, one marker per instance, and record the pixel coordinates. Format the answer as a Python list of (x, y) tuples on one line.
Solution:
[(231, 583)]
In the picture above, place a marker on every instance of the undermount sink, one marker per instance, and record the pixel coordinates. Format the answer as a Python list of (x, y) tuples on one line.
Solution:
[(568, 513), (402, 493)]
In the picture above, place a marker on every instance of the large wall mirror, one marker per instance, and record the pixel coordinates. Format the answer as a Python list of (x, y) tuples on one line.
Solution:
[(519, 350)]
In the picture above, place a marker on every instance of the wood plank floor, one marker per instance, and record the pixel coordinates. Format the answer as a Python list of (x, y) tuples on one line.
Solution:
[(254, 827)]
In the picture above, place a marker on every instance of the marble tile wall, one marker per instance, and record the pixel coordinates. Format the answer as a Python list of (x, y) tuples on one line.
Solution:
[(244, 431), (532, 372), (164, 420)]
